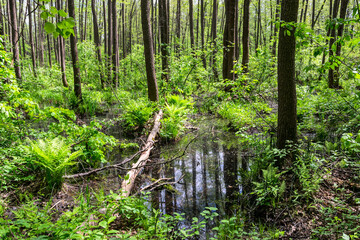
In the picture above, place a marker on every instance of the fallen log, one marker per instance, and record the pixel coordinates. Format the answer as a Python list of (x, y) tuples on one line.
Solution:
[(130, 177)]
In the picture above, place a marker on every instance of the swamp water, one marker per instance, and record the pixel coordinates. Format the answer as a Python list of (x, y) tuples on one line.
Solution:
[(209, 162)]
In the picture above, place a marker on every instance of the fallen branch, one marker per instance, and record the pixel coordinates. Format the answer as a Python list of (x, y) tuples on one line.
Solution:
[(118, 165), (157, 184), (130, 177)]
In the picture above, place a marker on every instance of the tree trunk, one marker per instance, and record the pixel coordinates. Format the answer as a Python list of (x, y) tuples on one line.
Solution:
[(61, 45), (202, 20), (164, 38), (178, 27), (191, 22), (115, 50), (33, 60), (149, 51), (105, 30), (277, 15), (85, 24), (229, 41), (15, 39), (343, 8), (335, 10), (286, 77), (74, 54), (214, 37), (246, 35), (110, 41), (97, 42)]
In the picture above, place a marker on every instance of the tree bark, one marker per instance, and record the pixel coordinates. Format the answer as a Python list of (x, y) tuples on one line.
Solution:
[(214, 37), (331, 77), (149, 51), (277, 15), (115, 50), (246, 36), (15, 39), (97, 42), (164, 38), (33, 60), (61, 45), (191, 22), (229, 41), (287, 129), (202, 20), (74, 54), (178, 27)]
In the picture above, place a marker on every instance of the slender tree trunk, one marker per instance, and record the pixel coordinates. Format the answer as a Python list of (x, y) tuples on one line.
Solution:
[(105, 30), (15, 39), (85, 24), (164, 38), (202, 20), (178, 27), (214, 37), (277, 15), (287, 112), (191, 22), (229, 41), (149, 51), (123, 30), (335, 10), (74, 54), (115, 50), (246, 36), (31, 38), (110, 41), (61, 45), (2, 28), (49, 50), (97, 42), (343, 8)]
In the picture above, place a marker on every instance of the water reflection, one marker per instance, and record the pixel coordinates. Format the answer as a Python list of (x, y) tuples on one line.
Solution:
[(210, 170)]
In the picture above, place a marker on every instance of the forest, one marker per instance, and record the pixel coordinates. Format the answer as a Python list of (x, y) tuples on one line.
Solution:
[(180, 119)]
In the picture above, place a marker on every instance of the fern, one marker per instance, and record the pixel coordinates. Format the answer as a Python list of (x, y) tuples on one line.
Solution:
[(53, 156)]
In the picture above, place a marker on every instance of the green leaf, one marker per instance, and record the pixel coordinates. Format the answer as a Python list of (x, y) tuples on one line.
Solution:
[(53, 10), (62, 13), (49, 27), (44, 15), (103, 224)]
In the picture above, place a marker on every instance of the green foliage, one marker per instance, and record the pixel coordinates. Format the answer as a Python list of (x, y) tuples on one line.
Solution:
[(52, 157), (271, 188), (136, 114), (175, 115)]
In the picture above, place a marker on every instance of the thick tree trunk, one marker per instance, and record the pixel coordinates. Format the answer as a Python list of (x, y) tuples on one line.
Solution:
[(74, 54), (164, 38), (15, 39), (97, 42), (149, 51), (246, 36), (286, 77), (229, 41)]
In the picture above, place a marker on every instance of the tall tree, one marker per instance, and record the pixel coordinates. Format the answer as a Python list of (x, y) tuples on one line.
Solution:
[(335, 10), (214, 37), (61, 45), (149, 51), (191, 23), (246, 36), (178, 26), (31, 39), (202, 20), (343, 8), (164, 38), (15, 38), (115, 46), (229, 42), (277, 15), (97, 41), (286, 130), (74, 54)]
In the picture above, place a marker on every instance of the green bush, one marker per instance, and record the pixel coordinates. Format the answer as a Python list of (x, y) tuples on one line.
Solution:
[(136, 114)]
